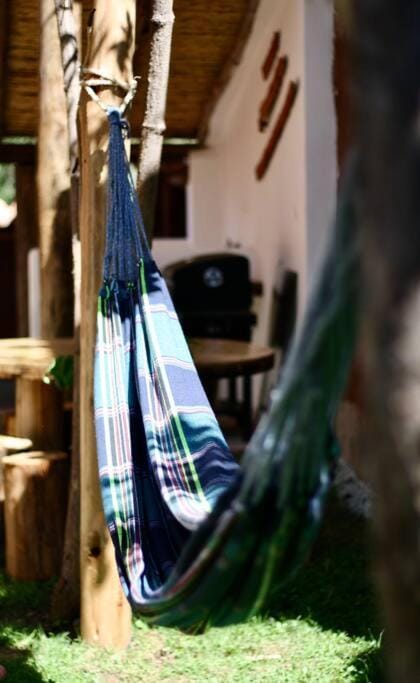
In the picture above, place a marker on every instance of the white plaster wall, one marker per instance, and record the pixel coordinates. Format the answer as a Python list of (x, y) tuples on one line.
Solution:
[(283, 217), (266, 217)]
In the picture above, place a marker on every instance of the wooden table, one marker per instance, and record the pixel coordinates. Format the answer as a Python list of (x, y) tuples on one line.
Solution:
[(227, 358), (38, 406), (230, 358)]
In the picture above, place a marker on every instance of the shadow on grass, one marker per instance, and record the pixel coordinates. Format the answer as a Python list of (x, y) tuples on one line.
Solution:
[(368, 668), (19, 669), (334, 588), (23, 608)]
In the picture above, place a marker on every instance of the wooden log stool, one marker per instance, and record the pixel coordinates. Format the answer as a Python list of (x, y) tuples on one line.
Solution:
[(36, 490), (8, 446)]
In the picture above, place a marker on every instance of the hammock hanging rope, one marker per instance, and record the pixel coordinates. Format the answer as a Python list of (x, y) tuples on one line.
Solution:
[(199, 540)]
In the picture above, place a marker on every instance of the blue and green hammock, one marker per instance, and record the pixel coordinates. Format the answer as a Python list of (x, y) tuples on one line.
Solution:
[(200, 540)]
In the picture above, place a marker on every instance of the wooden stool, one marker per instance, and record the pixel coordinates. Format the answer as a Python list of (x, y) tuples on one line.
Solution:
[(36, 491), (9, 445)]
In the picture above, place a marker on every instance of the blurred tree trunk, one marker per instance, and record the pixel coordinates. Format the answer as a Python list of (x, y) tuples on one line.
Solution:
[(387, 60)]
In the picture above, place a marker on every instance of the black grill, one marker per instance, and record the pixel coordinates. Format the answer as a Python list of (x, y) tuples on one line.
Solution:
[(212, 295)]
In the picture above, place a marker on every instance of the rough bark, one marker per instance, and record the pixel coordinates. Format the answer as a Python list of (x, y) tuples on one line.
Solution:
[(105, 614), (68, 24), (53, 181), (388, 85), (153, 127)]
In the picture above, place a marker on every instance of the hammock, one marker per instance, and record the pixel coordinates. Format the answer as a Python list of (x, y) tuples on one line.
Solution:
[(200, 541)]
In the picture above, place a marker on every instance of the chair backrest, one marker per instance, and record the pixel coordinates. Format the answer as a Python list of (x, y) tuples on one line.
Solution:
[(284, 311)]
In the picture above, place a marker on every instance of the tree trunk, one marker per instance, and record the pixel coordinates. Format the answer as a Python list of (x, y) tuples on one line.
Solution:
[(36, 485), (388, 85), (105, 614), (66, 595), (153, 127), (53, 186)]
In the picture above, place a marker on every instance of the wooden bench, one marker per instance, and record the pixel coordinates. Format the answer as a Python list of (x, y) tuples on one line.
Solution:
[(38, 406)]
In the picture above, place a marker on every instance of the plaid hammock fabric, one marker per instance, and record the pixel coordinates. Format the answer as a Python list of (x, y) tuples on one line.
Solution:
[(149, 400), (199, 540)]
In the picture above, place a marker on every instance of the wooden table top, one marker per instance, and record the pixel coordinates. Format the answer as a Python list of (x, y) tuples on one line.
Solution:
[(229, 357), (31, 357)]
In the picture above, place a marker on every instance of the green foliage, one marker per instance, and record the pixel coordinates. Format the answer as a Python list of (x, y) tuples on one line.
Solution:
[(7, 183), (322, 629), (60, 372)]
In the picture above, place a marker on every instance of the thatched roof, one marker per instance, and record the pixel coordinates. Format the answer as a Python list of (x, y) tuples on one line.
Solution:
[(208, 38)]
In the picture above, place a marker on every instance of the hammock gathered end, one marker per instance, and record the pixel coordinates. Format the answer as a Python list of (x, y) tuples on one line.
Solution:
[(199, 540)]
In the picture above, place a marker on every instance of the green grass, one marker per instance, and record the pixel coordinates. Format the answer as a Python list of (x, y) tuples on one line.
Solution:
[(323, 629)]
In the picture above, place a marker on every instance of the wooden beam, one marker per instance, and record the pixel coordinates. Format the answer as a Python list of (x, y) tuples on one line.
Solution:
[(26, 153), (269, 102), (278, 130), (105, 614), (271, 55), (53, 180)]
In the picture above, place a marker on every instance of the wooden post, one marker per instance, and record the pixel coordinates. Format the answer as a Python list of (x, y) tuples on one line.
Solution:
[(105, 614), (53, 185), (39, 413), (66, 595), (26, 238), (153, 126)]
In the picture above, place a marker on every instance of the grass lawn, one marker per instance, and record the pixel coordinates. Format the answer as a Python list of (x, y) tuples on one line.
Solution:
[(323, 629)]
